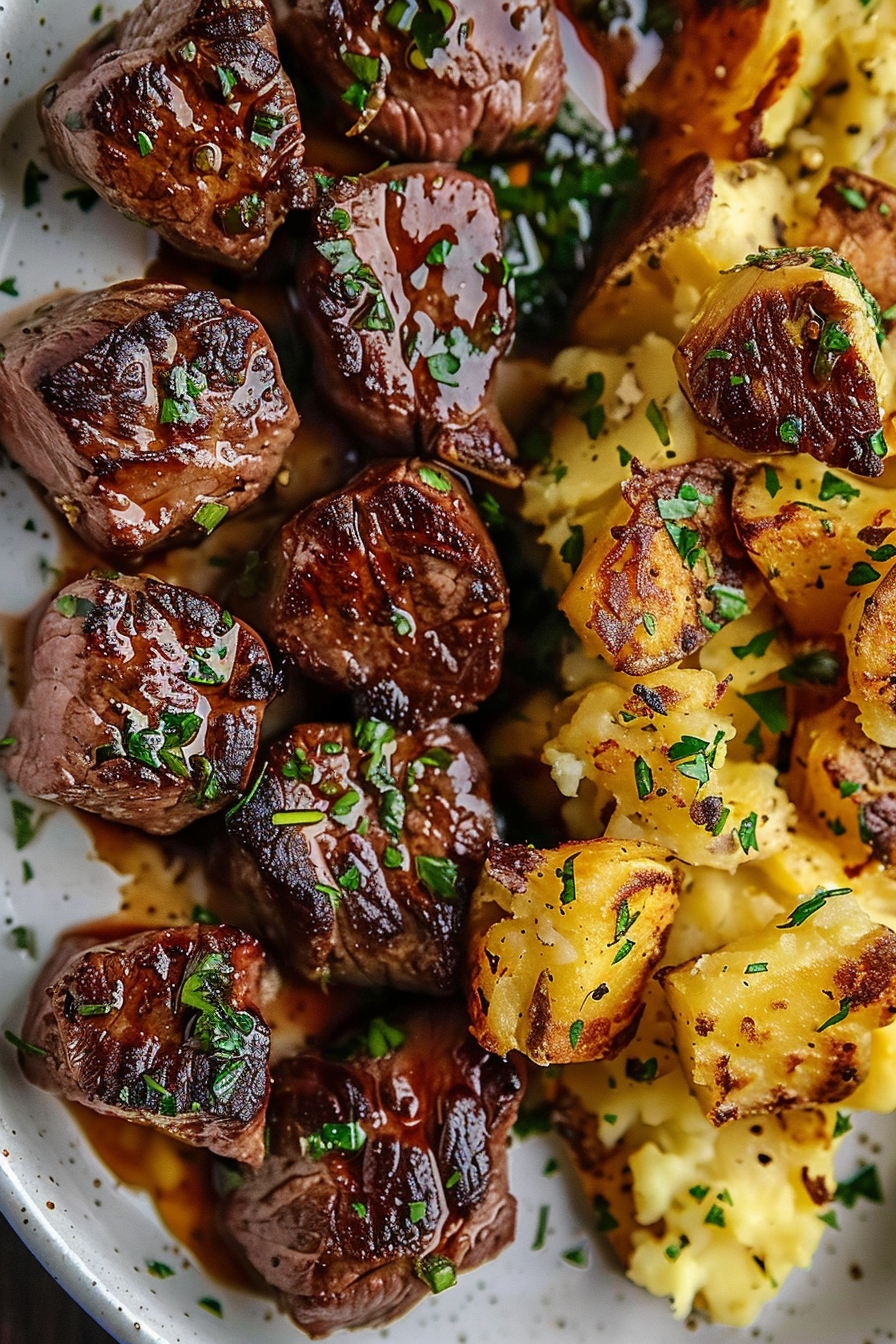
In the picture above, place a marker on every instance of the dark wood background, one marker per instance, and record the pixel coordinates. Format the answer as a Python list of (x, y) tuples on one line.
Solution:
[(33, 1308)]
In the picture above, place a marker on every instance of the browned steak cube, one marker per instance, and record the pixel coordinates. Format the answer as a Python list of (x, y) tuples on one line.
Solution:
[(181, 117), (147, 412), (408, 307), (387, 1174), (391, 588), (430, 80), (357, 853), (145, 704), (162, 1028)]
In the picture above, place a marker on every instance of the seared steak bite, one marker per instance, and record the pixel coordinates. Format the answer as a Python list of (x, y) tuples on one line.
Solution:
[(145, 704), (357, 852), (386, 1174), (431, 80), (147, 412), (162, 1028), (408, 308), (392, 589), (181, 117)]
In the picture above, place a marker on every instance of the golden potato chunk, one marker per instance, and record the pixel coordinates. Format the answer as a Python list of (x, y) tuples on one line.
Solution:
[(816, 537), (784, 1017), (783, 356), (869, 627), (847, 783), (660, 748), (562, 944), (654, 588)]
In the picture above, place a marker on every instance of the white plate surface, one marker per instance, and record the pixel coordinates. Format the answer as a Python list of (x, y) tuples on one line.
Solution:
[(95, 1235)]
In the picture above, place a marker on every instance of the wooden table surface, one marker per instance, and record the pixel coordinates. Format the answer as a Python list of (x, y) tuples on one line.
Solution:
[(33, 1308)]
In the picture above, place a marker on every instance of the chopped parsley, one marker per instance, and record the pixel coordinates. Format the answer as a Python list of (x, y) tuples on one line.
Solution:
[(542, 1227), (757, 647), (367, 73), (860, 574), (24, 1046), (658, 422), (346, 1137), (567, 880), (790, 429), (840, 1016), (438, 875), (210, 514), (772, 481), (23, 823), (865, 1184), (303, 817), (812, 905), (641, 1070), (434, 479), (573, 548), (437, 1272), (159, 1270), (643, 778), (24, 939), (31, 181), (771, 706), (746, 833), (575, 1032)]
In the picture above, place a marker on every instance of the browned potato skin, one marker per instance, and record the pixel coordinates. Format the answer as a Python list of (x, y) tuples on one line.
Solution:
[(94, 1059), (830, 753), (641, 571), (212, 191), (604, 1030), (83, 386), (866, 238), (498, 74), (680, 201), (371, 361), (389, 553), (134, 650), (390, 929), (773, 335)]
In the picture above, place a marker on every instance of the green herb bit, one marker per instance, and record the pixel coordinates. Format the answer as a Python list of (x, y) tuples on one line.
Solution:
[(772, 481), (264, 124), (715, 1216), (790, 429), (25, 1046), (367, 73), (573, 548), (344, 805), (603, 1218), (624, 950), (756, 968), (8, 286), (830, 1218), (437, 1272), (848, 787), (850, 195), (643, 778), (23, 823), (439, 251), (144, 144), (95, 1009), (865, 1184), (575, 1032), (729, 603), (657, 421), (834, 487), (771, 706), (350, 880), (84, 197), (434, 479), (302, 817), (199, 915), (212, 1306), (758, 646), (248, 796), (576, 1255), (641, 1070), (159, 1270), (746, 833), (227, 80), (31, 181), (24, 939), (812, 905), (438, 875), (624, 920), (840, 1016), (649, 623), (417, 1210), (699, 1192), (718, 354), (382, 1038), (533, 1120), (347, 1137), (243, 215), (842, 1125), (442, 367), (541, 1228), (69, 605), (567, 880), (167, 1101), (210, 514), (861, 574)]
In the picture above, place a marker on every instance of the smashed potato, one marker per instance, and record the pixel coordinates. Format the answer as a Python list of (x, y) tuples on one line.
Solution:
[(784, 1017), (660, 748), (816, 537), (562, 943), (655, 587)]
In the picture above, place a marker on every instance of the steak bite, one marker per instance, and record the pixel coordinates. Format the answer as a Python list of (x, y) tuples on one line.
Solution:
[(857, 219), (145, 704), (162, 1028), (182, 118), (429, 81), (391, 588), (145, 411), (387, 1174), (356, 853), (409, 309)]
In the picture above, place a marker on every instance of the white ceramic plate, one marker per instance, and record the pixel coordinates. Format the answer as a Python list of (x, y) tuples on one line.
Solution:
[(94, 1235)]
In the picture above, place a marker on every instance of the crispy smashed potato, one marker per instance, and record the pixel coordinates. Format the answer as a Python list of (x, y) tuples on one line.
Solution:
[(562, 944), (869, 627), (784, 1017), (660, 749), (816, 537), (653, 588), (847, 783), (783, 357)]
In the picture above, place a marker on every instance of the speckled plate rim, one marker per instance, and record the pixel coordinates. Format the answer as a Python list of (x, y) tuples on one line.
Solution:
[(94, 1235)]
